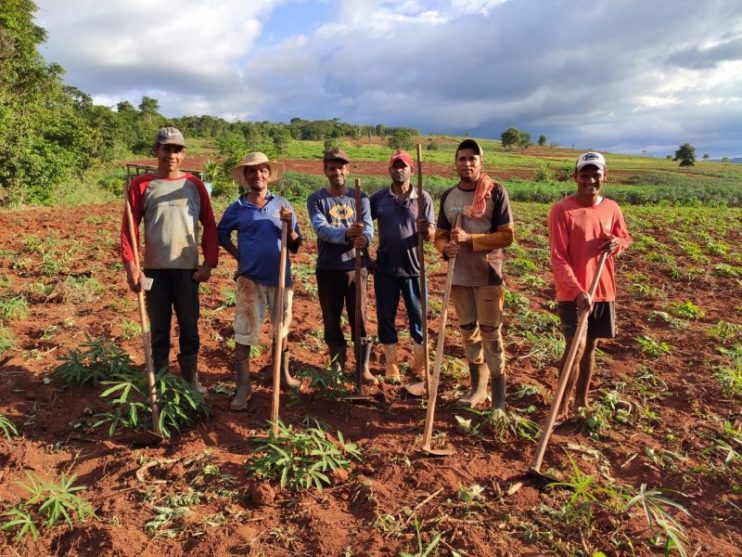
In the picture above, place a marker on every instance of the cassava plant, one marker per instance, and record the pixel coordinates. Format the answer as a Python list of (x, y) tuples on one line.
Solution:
[(180, 406)]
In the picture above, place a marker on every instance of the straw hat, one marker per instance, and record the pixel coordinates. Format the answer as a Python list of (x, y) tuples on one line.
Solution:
[(254, 159)]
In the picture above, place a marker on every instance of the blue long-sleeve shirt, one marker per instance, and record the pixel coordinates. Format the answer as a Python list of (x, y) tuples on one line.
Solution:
[(331, 216), (258, 238)]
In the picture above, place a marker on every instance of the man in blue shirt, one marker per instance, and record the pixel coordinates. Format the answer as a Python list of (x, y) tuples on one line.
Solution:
[(397, 263), (257, 217), (333, 215)]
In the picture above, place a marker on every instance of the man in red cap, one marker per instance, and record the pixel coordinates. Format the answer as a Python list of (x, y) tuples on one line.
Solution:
[(397, 264)]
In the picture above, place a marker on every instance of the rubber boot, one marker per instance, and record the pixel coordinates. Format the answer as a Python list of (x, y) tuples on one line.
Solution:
[(417, 389), (189, 371), (479, 375), (498, 392), (287, 380), (337, 358), (418, 362), (242, 369), (367, 376), (390, 363)]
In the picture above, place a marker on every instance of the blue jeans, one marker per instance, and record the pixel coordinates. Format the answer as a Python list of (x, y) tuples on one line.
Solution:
[(172, 289), (387, 290)]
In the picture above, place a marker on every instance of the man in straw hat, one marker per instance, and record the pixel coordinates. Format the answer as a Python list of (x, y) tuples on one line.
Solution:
[(397, 264), (171, 203), (257, 217), (486, 226), (581, 226), (333, 215)]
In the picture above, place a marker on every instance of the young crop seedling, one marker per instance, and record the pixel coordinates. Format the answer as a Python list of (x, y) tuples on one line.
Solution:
[(652, 347), (686, 310), (301, 459), (500, 424), (655, 506), (180, 405), (130, 329), (48, 502), (13, 309), (99, 360), (7, 340), (327, 383), (7, 427)]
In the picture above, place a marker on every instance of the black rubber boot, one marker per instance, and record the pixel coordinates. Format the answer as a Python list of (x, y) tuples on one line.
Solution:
[(242, 369), (498, 392), (367, 376), (337, 358), (189, 371), (479, 375), (287, 380)]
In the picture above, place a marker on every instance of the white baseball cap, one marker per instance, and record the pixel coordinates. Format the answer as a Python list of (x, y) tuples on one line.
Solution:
[(590, 158)]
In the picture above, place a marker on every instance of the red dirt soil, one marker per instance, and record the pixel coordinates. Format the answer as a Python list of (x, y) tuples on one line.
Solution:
[(53, 420)]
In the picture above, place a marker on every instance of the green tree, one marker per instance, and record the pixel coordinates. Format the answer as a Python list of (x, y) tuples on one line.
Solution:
[(686, 154), (541, 140), (524, 141), (510, 137), (400, 139)]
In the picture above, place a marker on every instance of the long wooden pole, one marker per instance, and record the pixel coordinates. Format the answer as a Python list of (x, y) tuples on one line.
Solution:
[(435, 378), (278, 327), (359, 291), (421, 258), (566, 371), (147, 345)]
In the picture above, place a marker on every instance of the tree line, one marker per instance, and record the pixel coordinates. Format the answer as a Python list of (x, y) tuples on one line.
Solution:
[(51, 133)]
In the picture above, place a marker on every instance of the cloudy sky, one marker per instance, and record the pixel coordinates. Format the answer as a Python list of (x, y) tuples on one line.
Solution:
[(626, 76)]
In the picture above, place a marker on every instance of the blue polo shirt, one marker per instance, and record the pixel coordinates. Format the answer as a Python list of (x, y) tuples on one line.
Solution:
[(397, 226), (258, 237)]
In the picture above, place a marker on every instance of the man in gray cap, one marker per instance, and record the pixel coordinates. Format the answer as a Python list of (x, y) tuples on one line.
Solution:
[(171, 203), (333, 215)]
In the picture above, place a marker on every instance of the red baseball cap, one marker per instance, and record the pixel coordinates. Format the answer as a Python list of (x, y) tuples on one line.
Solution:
[(403, 156)]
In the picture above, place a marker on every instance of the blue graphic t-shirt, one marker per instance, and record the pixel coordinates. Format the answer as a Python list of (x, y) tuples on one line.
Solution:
[(331, 217)]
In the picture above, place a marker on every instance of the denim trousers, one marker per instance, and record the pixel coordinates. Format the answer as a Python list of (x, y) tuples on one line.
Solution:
[(172, 289), (388, 289)]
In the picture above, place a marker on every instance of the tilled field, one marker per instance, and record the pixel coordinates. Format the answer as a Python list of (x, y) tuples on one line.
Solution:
[(665, 413)]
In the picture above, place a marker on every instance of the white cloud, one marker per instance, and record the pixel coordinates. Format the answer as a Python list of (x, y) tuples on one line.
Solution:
[(635, 74)]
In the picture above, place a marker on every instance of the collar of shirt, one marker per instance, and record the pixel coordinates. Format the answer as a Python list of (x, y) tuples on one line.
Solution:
[(413, 194), (246, 203)]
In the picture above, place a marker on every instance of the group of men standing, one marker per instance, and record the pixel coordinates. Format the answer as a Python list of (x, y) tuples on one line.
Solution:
[(474, 224)]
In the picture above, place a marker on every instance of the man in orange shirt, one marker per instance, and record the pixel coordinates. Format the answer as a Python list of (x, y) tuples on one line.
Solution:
[(581, 227)]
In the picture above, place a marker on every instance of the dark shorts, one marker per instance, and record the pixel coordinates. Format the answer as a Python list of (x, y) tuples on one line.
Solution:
[(600, 324)]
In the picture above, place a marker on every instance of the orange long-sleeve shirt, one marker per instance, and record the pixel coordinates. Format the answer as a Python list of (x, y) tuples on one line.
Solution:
[(576, 232)]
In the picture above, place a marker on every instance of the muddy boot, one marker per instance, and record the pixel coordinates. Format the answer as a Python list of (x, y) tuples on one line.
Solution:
[(242, 368), (418, 362), (367, 376), (479, 375), (287, 380), (337, 358), (390, 363), (189, 371), (498, 392)]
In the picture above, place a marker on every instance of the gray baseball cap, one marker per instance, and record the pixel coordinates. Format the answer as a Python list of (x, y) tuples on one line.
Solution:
[(170, 136)]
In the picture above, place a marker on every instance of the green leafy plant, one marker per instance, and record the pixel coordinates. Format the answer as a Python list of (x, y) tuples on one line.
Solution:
[(656, 505), (724, 331), (48, 502), (422, 550), (13, 309), (327, 383), (501, 424), (7, 427), (99, 360), (130, 329), (301, 459), (7, 341), (687, 310), (180, 406), (652, 347), (229, 296), (730, 379)]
